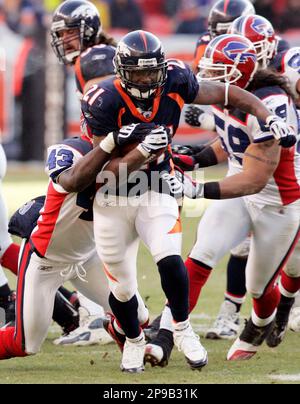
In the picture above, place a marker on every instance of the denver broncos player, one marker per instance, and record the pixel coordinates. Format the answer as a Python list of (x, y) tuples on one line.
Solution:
[(78, 40), (272, 210), (150, 89), (61, 246)]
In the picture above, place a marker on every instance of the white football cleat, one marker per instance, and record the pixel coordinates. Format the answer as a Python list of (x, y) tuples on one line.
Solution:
[(189, 343), (133, 355), (227, 324), (90, 332)]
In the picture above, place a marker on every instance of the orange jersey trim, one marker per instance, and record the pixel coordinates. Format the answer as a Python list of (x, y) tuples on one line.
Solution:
[(199, 55), (177, 228), (109, 275), (176, 97), (133, 108), (121, 113), (78, 73)]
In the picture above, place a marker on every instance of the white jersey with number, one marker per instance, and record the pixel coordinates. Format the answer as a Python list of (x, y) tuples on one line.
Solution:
[(238, 130), (64, 229)]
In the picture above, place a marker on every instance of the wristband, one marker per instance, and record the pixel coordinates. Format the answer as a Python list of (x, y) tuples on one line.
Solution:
[(108, 143), (143, 151), (212, 190), (206, 158)]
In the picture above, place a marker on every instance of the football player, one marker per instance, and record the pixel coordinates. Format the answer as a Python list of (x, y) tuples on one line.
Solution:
[(61, 247), (150, 89), (78, 41), (268, 179), (261, 33)]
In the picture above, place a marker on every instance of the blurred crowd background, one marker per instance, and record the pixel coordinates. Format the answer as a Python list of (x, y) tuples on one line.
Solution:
[(37, 100)]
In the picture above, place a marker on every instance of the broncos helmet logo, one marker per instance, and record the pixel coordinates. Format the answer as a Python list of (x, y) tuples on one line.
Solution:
[(234, 50), (261, 27)]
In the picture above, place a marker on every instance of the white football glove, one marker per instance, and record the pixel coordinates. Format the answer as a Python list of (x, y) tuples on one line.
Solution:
[(175, 185), (191, 189), (195, 116), (281, 131), (157, 139)]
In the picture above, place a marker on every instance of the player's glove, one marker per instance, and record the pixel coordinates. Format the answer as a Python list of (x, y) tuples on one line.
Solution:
[(132, 133), (187, 150), (193, 115), (191, 189), (158, 139), (281, 131)]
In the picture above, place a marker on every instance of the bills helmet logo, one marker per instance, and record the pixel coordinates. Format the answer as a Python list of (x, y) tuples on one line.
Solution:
[(236, 50), (261, 27)]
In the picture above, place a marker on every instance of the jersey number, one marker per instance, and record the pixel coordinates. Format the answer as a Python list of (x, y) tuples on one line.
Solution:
[(61, 158), (294, 62)]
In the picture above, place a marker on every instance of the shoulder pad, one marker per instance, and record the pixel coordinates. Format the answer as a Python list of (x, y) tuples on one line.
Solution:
[(268, 91), (97, 61), (79, 144)]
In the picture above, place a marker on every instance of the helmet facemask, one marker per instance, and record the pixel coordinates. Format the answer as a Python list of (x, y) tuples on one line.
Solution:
[(221, 72), (60, 45), (133, 77), (265, 51)]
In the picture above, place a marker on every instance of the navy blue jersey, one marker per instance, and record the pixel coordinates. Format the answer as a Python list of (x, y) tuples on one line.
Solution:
[(96, 61), (282, 44), (107, 107)]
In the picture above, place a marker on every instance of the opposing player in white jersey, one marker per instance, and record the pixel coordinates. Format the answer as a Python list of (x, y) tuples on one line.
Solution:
[(61, 247), (261, 33), (268, 178)]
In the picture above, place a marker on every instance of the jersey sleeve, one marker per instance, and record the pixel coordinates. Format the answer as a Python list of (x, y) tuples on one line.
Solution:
[(279, 105), (99, 111), (184, 81), (96, 61), (60, 157)]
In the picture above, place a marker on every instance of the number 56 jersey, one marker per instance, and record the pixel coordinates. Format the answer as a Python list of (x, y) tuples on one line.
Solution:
[(238, 130), (64, 230)]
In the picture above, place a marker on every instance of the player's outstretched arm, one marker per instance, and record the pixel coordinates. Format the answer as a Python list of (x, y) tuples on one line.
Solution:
[(259, 163), (84, 172), (219, 93), (209, 156)]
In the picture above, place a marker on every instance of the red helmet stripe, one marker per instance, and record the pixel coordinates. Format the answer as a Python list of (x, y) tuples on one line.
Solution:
[(144, 38), (226, 4)]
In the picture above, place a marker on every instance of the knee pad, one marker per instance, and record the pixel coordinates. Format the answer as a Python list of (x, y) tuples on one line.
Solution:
[(123, 292)]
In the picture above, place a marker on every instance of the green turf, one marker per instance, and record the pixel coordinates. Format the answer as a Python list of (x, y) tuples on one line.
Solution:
[(100, 364)]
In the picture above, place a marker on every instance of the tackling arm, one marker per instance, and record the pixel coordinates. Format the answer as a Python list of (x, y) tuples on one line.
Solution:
[(84, 172), (259, 163), (216, 93)]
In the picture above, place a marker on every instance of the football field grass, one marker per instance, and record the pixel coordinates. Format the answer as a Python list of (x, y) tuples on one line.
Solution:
[(100, 364)]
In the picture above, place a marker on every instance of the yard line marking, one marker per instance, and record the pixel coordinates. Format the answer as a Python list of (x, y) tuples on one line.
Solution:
[(286, 378)]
